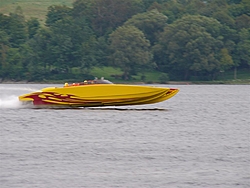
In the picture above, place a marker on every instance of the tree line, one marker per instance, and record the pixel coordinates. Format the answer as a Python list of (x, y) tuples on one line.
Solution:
[(183, 39)]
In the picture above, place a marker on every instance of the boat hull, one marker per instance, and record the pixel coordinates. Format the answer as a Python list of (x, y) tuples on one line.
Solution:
[(99, 95)]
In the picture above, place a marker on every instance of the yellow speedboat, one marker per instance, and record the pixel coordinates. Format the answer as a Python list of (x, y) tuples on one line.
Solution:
[(96, 93)]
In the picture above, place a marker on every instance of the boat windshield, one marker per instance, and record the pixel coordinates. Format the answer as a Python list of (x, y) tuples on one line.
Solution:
[(89, 82), (102, 81)]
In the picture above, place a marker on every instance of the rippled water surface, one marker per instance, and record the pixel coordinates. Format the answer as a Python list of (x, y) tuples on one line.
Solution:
[(198, 138)]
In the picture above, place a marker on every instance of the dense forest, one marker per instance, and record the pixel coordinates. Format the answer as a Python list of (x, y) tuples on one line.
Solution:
[(181, 39)]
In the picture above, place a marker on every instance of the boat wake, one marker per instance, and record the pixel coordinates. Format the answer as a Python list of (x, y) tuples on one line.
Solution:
[(93, 108), (10, 102), (128, 109), (9, 96)]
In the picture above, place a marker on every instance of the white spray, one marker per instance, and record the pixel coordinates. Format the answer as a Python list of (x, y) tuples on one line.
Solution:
[(9, 96), (10, 102)]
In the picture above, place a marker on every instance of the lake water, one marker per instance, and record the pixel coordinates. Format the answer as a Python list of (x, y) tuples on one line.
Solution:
[(198, 138)]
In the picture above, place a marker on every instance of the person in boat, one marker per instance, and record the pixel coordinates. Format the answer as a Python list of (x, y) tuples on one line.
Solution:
[(84, 82)]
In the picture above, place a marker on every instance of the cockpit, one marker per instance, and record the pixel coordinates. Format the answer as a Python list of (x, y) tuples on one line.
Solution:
[(90, 82)]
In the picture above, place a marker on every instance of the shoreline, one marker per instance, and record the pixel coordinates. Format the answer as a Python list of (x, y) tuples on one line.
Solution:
[(219, 82)]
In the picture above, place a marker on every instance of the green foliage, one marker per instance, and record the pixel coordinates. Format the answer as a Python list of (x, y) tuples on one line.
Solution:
[(56, 13), (164, 78), (33, 27), (242, 21), (190, 45), (14, 25), (151, 23), (145, 40), (106, 15), (4, 43), (226, 60), (107, 72), (130, 50)]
